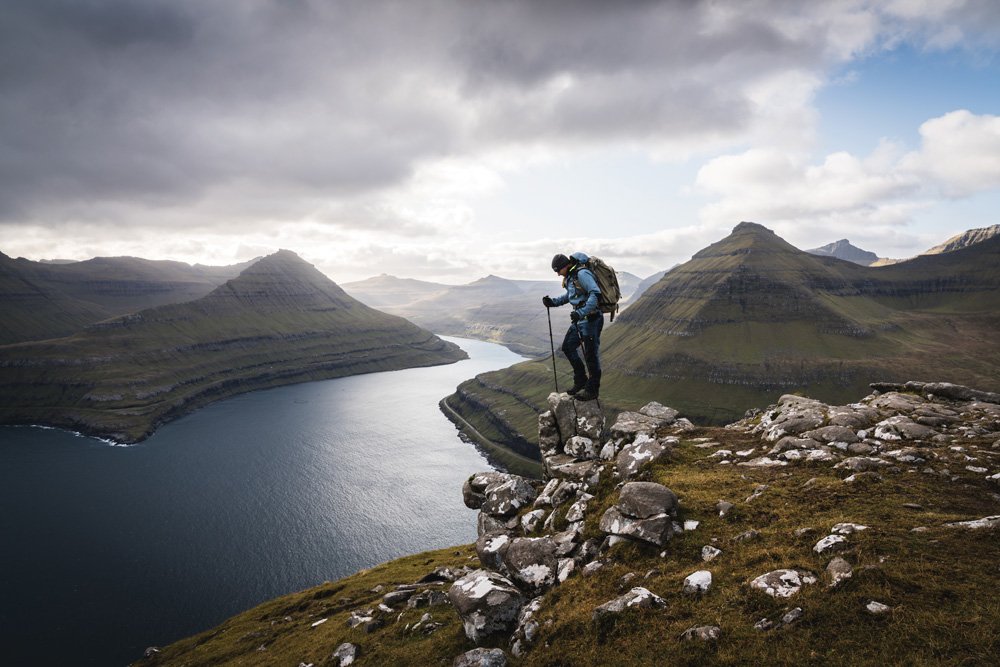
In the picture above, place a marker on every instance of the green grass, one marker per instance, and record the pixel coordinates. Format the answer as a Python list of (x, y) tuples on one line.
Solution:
[(939, 582)]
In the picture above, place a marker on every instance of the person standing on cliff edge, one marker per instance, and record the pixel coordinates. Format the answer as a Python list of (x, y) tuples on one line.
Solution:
[(587, 321)]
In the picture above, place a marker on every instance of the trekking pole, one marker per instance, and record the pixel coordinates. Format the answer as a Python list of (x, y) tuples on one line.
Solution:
[(552, 344)]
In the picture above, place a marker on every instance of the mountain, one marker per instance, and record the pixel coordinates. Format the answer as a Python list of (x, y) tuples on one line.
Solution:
[(50, 300), (752, 317), (641, 287), (965, 239), (280, 321), (843, 249), (494, 309)]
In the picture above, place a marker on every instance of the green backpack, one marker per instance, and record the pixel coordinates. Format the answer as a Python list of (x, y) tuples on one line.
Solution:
[(607, 281)]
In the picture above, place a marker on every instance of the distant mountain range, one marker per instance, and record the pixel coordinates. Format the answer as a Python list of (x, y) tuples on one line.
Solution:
[(493, 309), (40, 300), (752, 317), (843, 249), (279, 321)]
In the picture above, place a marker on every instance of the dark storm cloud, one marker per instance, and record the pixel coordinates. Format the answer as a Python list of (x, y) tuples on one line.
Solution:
[(163, 103)]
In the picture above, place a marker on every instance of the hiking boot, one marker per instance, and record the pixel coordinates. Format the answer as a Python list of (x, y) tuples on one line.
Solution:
[(587, 394), (576, 388)]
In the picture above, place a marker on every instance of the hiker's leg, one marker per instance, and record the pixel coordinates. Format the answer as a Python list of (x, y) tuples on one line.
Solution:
[(592, 350), (570, 347)]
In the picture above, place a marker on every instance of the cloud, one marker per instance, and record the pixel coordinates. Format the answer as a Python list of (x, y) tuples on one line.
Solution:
[(959, 156)]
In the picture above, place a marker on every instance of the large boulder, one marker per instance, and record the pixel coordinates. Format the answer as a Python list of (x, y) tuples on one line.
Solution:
[(574, 417), (644, 449), (474, 489), (507, 497), (488, 604), (644, 512), (548, 434), (532, 563)]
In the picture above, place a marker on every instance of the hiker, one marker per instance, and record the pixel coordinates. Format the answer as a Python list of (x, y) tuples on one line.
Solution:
[(583, 293)]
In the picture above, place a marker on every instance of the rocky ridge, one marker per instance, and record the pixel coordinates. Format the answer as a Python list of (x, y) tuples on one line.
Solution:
[(601, 520)]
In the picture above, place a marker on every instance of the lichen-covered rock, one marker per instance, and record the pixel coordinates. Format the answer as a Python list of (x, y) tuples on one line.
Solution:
[(638, 597), (581, 448), (630, 424), (863, 464), (645, 499), (506, 497), (574, 417), (564, 466), (345, 654), (656, 529), (708, 552), (532, 563), (837, 571), (644, 449), (531, 520), (830, 543), (832, 434), (487, 523), (474, 489), (658, 411), (488, 603), (698, 583), (901, 427), (481, 657), (548, 433), (578, 510), (491, 548), (782, 583)]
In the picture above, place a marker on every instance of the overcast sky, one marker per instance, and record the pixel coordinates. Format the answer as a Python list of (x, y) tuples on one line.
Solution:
[(445, 140)]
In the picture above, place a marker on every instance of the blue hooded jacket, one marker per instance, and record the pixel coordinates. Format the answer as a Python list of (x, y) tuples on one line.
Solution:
[(582, 291)]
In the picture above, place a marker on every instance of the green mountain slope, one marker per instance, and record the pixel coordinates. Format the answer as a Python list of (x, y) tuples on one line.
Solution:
[(50, 300), (281, 321), (752, 317)]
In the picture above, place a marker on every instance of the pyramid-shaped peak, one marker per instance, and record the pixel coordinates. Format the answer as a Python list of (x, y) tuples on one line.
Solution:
[(748, 238), (752, 228)]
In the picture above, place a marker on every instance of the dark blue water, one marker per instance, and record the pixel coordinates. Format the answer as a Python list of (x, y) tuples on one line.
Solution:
[(107, 550)]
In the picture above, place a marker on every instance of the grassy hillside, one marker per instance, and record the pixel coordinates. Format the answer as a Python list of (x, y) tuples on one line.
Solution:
[(752, 317), (281, 321), (934, 580)]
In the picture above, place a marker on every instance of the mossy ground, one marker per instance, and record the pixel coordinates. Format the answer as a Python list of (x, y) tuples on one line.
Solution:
[(940, 582)]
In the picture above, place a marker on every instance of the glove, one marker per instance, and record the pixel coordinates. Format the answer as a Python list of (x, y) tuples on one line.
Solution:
[(575, 316), (547, 302)]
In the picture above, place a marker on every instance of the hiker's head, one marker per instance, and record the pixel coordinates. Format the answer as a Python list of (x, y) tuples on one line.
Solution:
[(560, 263)]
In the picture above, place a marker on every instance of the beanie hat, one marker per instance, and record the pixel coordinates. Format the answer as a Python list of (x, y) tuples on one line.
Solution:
[(559, 261)]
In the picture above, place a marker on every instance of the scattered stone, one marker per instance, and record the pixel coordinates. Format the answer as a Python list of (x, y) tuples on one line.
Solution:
[(791, 616), (847, 528), (481, 657), (877, 608), (747, 536), (396, 597), (838, 571), (830, 543), (637, 597), (592, 568), (703, 632), (531, 520), (644, 449), (782, 583), (863, 464), (708, 552), (698, 583), (691, 524), (356, 618), (724, 507), (985, 522), (802, 532)]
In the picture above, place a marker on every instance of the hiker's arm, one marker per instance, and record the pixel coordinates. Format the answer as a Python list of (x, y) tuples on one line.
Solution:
[(560, 300), (589, 285)]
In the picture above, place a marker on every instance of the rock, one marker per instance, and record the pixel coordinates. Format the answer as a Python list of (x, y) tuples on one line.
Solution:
[(491, 549), (531, 520), (698, 583), (474, 489), (356, 618), (630, 424), (487, 603), (877, 608), (830, 543), (792, 616), (847, 528), (345, 654), (838, 571), (592, 568), (576, 417), (901, 427), (657, 411), (644, 449), (747, 536), (832, 434), (985, 522), (708, 552), (564, 466), (656, 529), (637, 597), (481, 657), (548, 433), (578, 510), (506, 497), (396, 597), (763, 462), (487, 524), (646, 499), (703, 632), (782, 583), (581, 448), (724, 507), (532, 563), (566, 568), (544, 499)]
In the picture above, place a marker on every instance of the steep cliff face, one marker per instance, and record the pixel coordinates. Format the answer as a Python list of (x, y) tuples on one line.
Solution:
[(965, 239), (280, 321)]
